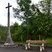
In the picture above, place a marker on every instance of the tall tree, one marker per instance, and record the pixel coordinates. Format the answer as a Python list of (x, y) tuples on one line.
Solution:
[(46, 9), (25, 8), (36, 20)]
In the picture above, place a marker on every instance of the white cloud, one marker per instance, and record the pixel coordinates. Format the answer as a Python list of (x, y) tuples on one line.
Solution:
[(35, 1)]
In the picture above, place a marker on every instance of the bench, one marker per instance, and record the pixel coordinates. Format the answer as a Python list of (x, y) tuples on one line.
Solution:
[(39, 43)]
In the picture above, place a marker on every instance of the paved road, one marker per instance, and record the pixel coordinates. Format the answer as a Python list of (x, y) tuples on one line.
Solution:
[(21, 49)]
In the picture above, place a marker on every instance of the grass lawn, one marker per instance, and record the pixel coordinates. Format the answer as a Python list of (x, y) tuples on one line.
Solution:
[(49, 40)]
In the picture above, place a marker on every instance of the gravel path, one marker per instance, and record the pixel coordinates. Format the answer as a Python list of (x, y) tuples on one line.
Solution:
[(21, 49)]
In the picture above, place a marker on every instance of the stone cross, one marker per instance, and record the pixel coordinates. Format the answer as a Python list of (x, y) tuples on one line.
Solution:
[(8, 14), (9, 39)]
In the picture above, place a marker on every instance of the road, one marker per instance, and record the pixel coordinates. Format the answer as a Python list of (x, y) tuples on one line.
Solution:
[(22, 49)]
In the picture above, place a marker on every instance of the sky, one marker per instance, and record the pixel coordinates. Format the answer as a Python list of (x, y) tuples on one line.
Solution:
[(3, 11)]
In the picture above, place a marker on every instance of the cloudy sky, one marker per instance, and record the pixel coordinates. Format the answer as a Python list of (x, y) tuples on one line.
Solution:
[(3, 11)]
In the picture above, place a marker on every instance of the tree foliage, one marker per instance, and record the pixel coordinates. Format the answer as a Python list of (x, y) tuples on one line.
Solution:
[(3, 33), (37, 18)]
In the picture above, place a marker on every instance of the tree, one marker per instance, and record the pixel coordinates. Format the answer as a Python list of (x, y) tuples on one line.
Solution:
[(25, 7), (18, 32), (3, 33), (45, 6), (36, 20)]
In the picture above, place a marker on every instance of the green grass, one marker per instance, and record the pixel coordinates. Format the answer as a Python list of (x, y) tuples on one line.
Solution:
[(49, 41)]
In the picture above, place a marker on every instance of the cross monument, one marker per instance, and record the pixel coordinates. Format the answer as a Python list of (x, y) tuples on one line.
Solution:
[(9, 40)]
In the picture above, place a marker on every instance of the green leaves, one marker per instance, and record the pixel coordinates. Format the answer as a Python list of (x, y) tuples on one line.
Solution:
[(3, 33), (36, 20)]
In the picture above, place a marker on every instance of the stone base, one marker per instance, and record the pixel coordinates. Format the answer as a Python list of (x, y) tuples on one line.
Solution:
[(10, 45)]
